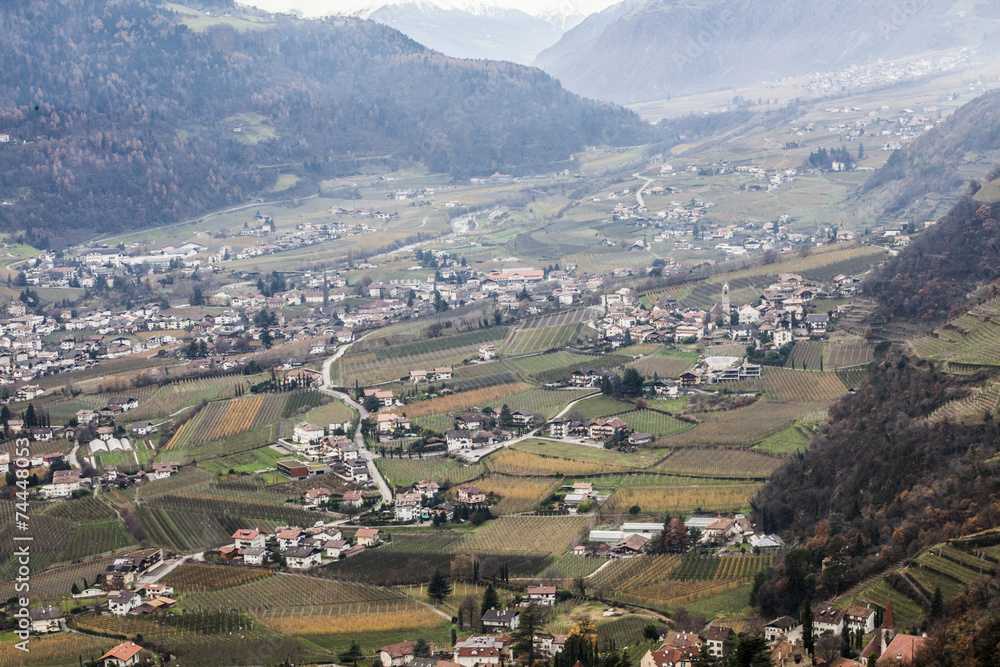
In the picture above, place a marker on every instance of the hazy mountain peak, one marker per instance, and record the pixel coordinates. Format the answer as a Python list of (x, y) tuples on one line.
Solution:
[(548, 10)]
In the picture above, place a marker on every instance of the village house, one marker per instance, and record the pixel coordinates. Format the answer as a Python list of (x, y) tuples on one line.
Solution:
[(122, 655), (399, 654), (124, 602), (501, 620), (352, 498), (470, 495), (778, 627), (317, 496), (247, 538), (543, 596), (45, 619), (476, 656), (254, 555), (715, 638), (302, 558), (288, 537), (305, 433), (487, 352), (368, 537)]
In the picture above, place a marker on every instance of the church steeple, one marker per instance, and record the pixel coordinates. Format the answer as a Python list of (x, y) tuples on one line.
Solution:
[(887, 631), (725, 297)]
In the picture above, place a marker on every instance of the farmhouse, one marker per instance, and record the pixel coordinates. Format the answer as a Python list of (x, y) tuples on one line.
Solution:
[(500, 620), (352, 498), (487, 352), (544, 596), (247, 538), (317, 496), (254, 555), (715, 639), (395, 655), (779, 626), (302, 558), (368, 537), (470, 495), (45, 619), (122, 655), (471, 656), (123, 603)]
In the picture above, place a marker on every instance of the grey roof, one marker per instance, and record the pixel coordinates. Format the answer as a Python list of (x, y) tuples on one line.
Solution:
[(44, 613), (254, 551), (499, 616), (300, 552)]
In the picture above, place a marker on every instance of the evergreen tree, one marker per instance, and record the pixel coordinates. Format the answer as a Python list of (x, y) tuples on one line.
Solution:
[(30, 419), (422, 649), (808, 641), (530, 621), (438, 589), (937, 605), (491, 600)]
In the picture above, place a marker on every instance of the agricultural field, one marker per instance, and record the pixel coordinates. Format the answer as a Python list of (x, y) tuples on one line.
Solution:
[(782, 384), (492, 396), (650, 581), (527, 463), (745, 425), (565, 568), (406, 472), (533, 341), (56, 649), (807, 355), (685, 498), (654, 422), (558, 366), (792, 439), (371, 363), (976, 405), (476, 376), (57, 582), (60, 541), (517, 494), (544, 402), (538, 535), (407, 557), (171, 398), (849, 354), (666, 363), (575, 452), (720, 463), (200, 577), (598, 407), (408, 617)]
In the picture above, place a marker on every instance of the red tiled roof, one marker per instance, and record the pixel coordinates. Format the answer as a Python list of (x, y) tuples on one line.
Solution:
[(123, 651)]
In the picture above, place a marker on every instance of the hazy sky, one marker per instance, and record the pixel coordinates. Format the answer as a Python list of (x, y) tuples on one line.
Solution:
[(316, 8)]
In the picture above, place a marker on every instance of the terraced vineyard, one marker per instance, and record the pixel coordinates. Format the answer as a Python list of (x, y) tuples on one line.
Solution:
[(849, 354), (975, 406), (973, 338)]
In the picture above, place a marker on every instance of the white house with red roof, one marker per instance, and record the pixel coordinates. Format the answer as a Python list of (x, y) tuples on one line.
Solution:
[(246, 538), (122, 655)]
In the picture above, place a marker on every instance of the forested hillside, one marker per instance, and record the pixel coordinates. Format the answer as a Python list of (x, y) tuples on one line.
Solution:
[(930, 279), (940, 161), (121, 117), (879, 483)]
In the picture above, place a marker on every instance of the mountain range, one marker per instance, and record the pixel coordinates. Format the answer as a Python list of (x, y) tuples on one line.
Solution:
[(121, 116), (514, 30), (637, 51)]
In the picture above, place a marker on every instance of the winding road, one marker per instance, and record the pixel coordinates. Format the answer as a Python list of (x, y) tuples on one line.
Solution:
[(327, 388)]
